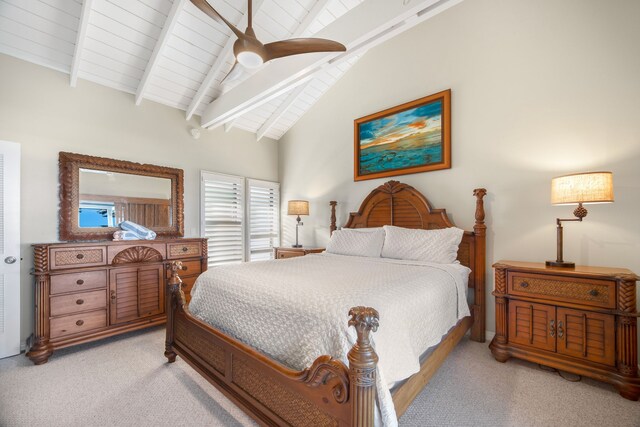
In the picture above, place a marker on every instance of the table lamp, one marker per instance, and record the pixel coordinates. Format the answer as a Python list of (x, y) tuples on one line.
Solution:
[(298, 207), (578, 188)]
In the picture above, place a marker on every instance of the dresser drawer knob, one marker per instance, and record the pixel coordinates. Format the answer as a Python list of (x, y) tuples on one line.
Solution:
[(80, 256), (524, 284), (79, 301), (185, 249), (593, 292), (80, 322), (80, 282)]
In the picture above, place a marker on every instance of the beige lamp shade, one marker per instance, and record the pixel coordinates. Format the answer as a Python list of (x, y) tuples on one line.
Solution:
[(587, 187), (298, 207)]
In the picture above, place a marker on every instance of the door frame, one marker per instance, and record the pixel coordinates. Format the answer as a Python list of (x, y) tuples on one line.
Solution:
[(10, 339)]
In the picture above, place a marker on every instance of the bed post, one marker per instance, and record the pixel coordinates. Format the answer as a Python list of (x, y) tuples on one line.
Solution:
[(479, 266), (333, 227), (173, 297), (362, 367)]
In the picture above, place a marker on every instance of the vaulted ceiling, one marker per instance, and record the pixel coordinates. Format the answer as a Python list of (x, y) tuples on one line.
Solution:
[(168, 51)]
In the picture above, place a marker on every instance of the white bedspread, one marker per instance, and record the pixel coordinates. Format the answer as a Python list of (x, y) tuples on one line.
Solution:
[(296, 309)]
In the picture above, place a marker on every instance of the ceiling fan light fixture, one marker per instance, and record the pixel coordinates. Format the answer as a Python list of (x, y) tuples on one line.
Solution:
[(249, 59)]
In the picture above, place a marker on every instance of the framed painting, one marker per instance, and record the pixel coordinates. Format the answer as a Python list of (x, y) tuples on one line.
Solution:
[(409, 138)]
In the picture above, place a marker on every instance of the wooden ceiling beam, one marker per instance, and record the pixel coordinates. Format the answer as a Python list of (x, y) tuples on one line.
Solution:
[(280, 111), (80, 38), (295, 94), (365, 26), (225, 56), (316, 10), (167, 30)]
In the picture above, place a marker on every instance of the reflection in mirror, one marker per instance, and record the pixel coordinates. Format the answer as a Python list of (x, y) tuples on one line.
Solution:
[(108, 198), (97, 194)]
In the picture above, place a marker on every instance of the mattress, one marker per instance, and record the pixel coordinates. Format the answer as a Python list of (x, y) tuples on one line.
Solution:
[(295, 310)]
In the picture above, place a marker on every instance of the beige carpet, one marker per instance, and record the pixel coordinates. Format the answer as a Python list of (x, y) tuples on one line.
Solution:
[(124, 381)]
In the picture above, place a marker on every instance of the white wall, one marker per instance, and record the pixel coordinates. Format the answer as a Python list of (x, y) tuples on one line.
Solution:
[(39, 110), (539, 89)]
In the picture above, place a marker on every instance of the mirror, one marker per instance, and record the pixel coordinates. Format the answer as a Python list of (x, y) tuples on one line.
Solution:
[(97, 194)]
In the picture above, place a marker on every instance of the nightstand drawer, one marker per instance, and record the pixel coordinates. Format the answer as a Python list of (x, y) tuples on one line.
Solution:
[(598, 293), (281, 254), (288, 252)]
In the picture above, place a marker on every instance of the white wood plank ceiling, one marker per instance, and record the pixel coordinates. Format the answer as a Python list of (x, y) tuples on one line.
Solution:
[(168, 51)]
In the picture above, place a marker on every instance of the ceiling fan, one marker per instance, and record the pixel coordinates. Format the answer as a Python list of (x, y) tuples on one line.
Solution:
[(251, 53)]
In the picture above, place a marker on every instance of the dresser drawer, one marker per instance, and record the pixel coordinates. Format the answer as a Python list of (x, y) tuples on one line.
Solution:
[(74, 282), (597, 293), (182, 250), (187, 287), (78, 323), (78, 257), (81, 301), (191, 268)]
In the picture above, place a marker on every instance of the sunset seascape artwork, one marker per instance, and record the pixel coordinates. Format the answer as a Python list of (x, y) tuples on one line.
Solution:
[(403, 140)]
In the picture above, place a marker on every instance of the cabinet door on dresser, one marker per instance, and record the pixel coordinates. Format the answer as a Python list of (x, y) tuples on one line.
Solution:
[(532, 325), (136, 292), (586, 335)]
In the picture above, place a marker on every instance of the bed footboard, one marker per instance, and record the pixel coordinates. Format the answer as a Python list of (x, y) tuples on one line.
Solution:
[(326, 394)]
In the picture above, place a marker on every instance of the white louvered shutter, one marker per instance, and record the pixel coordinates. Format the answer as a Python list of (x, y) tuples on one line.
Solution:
[(222, 217), (264, 218)]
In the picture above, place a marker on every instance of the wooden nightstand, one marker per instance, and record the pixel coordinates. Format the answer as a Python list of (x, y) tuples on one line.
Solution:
[(285, 252), (581, 320)]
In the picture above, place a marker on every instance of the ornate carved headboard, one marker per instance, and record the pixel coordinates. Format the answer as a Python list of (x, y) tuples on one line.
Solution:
[(394, 203)]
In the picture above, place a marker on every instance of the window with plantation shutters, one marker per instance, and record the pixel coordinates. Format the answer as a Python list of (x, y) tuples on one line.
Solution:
[(263, 212), (222, 217), (239, 217)]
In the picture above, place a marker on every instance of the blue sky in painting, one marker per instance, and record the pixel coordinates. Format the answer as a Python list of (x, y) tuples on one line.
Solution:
[(396, 124)]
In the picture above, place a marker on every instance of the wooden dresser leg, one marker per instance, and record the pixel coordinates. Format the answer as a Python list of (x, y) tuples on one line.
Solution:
[(41, 349), (40, 352)]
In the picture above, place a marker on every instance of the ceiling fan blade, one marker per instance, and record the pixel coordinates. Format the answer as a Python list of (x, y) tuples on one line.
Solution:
[(290, 47), (204, 6)]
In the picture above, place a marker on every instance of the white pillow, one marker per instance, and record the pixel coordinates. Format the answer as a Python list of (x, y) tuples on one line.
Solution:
[(357, 242), (439, 246)]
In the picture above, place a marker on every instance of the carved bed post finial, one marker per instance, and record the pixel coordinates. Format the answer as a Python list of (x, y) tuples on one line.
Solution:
[(479, 193), (362, 367), (333, 227), (479, 269), (174, 298)]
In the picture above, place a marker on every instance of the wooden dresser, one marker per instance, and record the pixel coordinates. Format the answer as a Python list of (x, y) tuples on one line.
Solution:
[(88, 291), (581, 320), (285, 252)]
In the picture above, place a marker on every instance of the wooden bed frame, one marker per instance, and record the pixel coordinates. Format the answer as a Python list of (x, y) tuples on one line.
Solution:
[(328, 393)]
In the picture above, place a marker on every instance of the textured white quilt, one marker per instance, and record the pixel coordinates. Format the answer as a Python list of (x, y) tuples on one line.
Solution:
[(296, 309)]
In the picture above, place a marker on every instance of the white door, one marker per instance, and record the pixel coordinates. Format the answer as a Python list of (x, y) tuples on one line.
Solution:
[(9, 248)]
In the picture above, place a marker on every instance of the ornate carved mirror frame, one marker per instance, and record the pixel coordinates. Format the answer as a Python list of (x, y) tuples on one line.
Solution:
[(70, 165)]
